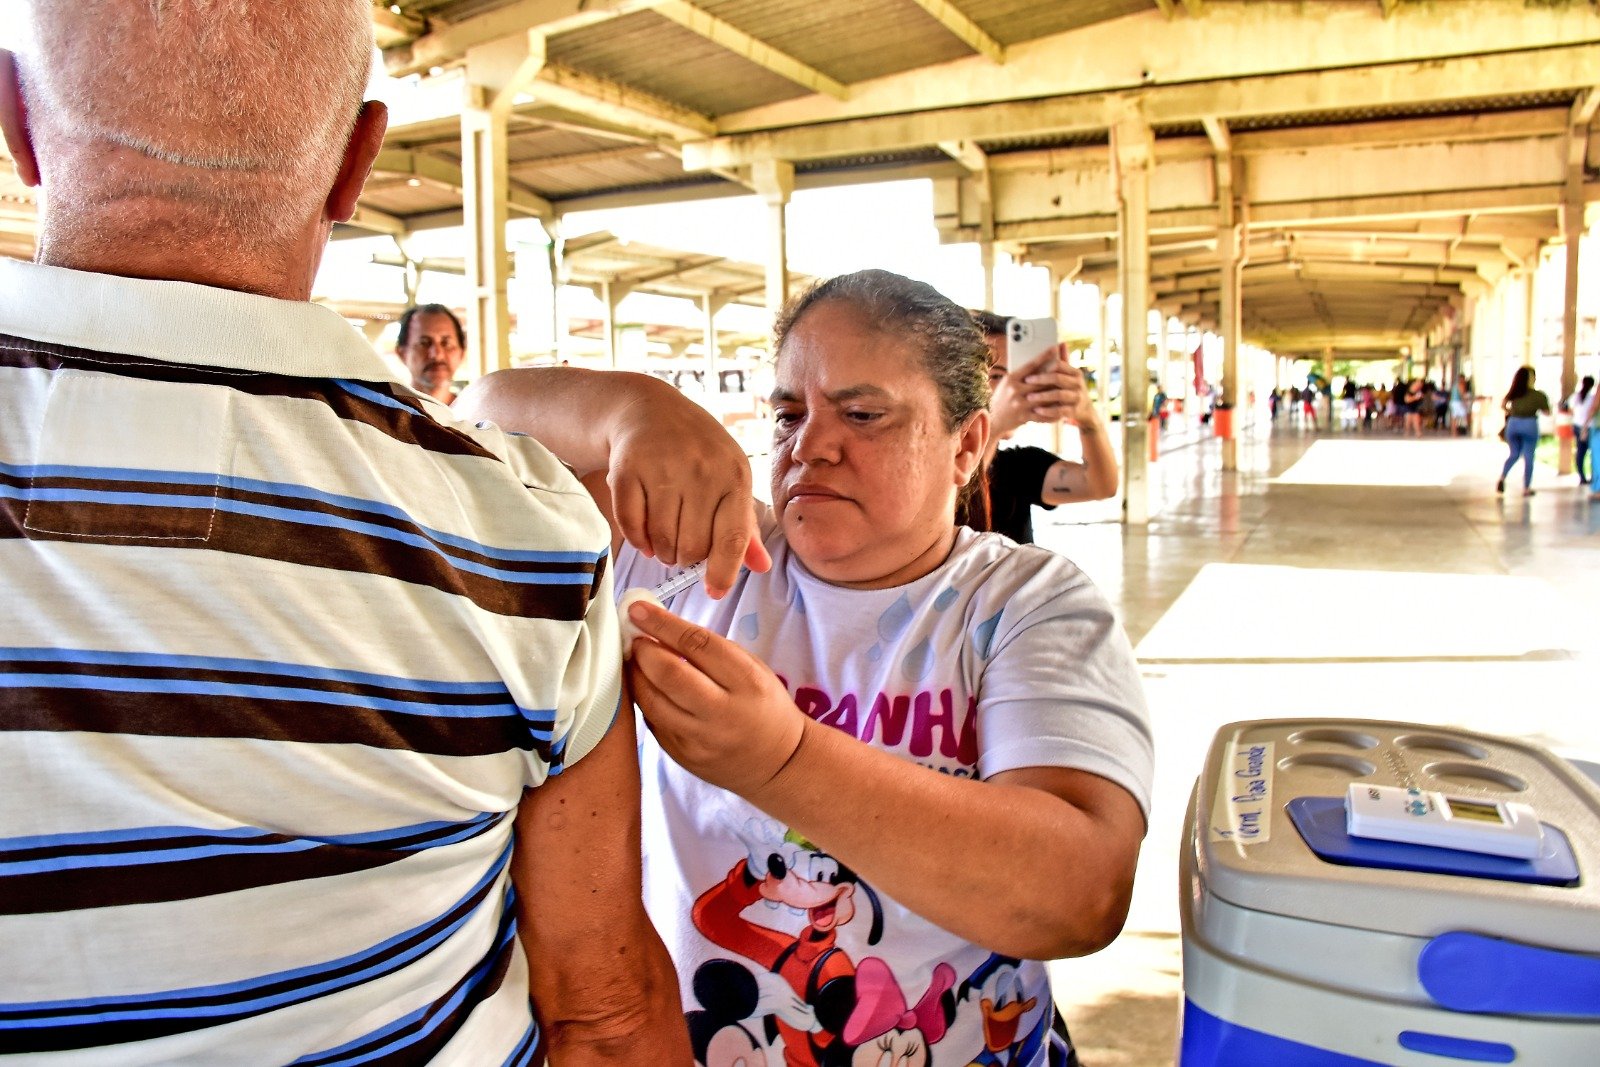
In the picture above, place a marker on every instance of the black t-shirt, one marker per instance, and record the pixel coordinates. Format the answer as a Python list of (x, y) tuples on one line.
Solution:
[(1016, 483)]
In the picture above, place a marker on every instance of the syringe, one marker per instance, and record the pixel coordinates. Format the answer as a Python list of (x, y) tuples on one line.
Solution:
[(657, 595), (677, 583)]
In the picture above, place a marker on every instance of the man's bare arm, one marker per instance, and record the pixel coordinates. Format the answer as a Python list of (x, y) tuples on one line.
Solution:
[(678, 484), (604, 990)]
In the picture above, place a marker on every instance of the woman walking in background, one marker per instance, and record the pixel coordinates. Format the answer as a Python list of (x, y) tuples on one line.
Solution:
[(1411, 409), (1582, 405), (1460, 406), (1522, 405)]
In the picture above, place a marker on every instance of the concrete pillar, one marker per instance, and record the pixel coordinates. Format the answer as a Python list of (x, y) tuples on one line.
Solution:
[(1327, 378), (558, 328), (611, 294), (1530, 315), (710, 304), (1054, 282), (496, 73), (1133, 153), (1231, 311), (410, 266), (483, 169), (1103, 352), (1572, 229), (774, 180), (986, 257)]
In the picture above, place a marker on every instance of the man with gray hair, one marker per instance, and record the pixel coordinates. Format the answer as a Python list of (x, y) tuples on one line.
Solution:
[(309, 738)]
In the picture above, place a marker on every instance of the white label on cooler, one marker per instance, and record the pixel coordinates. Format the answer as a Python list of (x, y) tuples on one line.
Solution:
[(1242, 811), (1420, 817)]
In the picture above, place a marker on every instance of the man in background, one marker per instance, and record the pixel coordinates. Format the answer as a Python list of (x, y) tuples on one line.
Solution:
[(1045, 390), (432, 345), (308, 700)]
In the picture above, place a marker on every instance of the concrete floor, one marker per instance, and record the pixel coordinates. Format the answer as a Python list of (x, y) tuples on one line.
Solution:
[(1334, 575)]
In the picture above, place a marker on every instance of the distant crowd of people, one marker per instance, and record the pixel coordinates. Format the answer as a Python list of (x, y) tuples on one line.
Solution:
[(1408, 407)]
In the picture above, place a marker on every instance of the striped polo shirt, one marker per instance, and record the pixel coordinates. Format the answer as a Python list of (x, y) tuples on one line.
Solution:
[(281, 646)]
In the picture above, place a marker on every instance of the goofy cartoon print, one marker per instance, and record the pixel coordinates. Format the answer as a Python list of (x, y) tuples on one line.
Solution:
[(785, 871)]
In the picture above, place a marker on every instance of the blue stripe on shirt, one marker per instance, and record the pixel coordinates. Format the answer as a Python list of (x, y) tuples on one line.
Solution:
[(242, 998), (299, 492), (102, 657)]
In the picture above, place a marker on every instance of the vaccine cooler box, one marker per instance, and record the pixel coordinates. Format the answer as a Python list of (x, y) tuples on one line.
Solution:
[(1305, 947)]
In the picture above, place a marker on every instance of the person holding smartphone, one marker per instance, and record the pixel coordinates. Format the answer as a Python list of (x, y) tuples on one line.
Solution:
[(1040, 388)]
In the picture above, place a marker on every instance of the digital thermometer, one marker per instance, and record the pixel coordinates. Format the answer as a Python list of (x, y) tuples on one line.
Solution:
[(1420, 817)]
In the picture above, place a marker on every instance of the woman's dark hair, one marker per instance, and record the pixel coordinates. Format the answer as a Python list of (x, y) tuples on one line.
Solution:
[(952, 347), (1521, 382), (1586, 387), (990, 323), (428, 309)]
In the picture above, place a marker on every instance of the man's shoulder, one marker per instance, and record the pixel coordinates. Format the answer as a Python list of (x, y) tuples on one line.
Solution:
[(184, 323), (530, 462)]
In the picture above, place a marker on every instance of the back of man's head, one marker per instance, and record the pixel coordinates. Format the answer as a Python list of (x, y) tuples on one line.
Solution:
[(205, 114)]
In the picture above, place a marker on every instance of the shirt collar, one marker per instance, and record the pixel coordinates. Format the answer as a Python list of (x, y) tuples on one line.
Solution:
[(181, 322)]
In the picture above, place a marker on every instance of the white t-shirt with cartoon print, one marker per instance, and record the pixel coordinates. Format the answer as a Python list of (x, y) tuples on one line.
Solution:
[(1006, 656)]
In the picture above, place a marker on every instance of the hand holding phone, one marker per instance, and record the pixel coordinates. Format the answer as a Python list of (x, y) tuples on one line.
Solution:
[(1053, 390), (1027, 339)]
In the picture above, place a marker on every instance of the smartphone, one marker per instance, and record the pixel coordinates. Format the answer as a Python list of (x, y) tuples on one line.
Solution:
[(1026, 339)]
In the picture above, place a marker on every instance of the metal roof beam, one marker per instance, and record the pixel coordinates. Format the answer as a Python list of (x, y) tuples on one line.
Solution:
[(391, 28), (969, 32), (1265, 96), (613, 102), (449, 43), (380, 222), (968, 154), (1231, 49), (699, 21), (1583, 107), (1218, 134), (437, 171)]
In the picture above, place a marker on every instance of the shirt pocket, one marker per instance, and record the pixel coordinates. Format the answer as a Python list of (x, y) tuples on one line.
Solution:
[(122, 460)]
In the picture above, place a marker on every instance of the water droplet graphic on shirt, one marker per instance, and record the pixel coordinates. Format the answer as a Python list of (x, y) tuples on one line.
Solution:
[(893, 623), (945, 599), (917, 662), (749, 627), (875, 653), (983, 636)]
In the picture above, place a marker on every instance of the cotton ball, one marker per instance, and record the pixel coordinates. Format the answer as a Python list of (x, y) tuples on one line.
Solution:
[(629, 630)]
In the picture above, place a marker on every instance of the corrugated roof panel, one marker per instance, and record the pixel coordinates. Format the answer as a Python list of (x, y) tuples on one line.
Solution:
[(1479, 105), (533, 142), (657, 56), (452, 10), (1038, 142), (399, 197), (600, 175), (872, 159), (1012, 21), (849, 40), (688, 187)]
